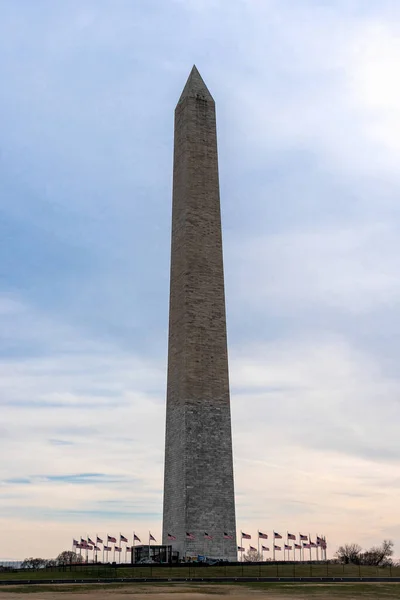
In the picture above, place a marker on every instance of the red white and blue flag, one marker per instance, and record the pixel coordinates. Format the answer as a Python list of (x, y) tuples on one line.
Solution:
[(171, 537), (287, 547), (297, 546), (75, 542), (253, 549), (290, 536), (90, 541), (277, 548), (151, 538), (135, 538), (306, 546), (265, 548), (189, 536), (99, 540), (117, 549), (240, 548), (207, 536), (128, 548), (303, 538), (277, 536), (123, 538), (246, 536), (227, 536), (96, 548), (263, 536), (313, 544), (112, 539), (107, 548)]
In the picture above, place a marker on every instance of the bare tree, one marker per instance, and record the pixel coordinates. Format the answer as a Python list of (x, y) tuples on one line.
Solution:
[(349, 553), (68, 558), (33, 563), (252, 556), (379, 556)]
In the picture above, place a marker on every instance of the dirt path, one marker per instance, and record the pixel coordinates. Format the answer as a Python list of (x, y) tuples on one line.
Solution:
[(201, 592)]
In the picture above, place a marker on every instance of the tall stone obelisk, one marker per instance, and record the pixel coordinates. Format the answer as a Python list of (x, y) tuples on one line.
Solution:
[(198, 478)]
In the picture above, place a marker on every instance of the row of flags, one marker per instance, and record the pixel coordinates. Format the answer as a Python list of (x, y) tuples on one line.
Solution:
[(89, 543), (206, 536), (285, 547), (305, 540)]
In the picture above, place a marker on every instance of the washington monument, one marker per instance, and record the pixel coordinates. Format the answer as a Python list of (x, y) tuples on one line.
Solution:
[(199, 501)]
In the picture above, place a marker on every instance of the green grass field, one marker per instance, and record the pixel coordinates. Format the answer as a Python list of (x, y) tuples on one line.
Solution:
[(245, 570)]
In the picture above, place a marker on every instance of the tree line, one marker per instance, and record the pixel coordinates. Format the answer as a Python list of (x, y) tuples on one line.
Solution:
[(377, 556), (64, 558)]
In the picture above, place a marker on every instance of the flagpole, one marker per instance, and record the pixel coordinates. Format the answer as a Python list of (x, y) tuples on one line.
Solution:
[(223, 545), (287, 542), (241, 546), (258, 541), (309, 543), (273, 544), (316, 541)]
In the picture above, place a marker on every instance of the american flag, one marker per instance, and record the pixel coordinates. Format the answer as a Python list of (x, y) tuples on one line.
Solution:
[(189, 536), (207, 536), (107, 548), (240, 548), (252, 549), (171, 537), (323, 545), (151, 538), (277, 547), (123, 538), (96, 548), (128, 548), (265, 548), (306, 546), (90, 541), (313, 544), (263, 536), (112, 539), (287, 547), (135, 538), (227, 536), (246, 536), (277, 536), (117, 549), (84, 542), (303, 538), (297, 546), (75, 542), (319, 541), (290, 536), (99, 540)]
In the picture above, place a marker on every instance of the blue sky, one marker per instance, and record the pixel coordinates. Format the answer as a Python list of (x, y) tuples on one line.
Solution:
[(309, 128)]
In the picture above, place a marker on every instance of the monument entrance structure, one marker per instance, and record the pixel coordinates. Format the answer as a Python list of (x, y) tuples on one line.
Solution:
[(199, 503)]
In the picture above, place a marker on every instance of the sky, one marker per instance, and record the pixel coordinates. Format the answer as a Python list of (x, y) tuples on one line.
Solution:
[(308, 113)]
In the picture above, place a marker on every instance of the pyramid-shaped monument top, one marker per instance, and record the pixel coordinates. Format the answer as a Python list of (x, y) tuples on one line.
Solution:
[(195, 87)]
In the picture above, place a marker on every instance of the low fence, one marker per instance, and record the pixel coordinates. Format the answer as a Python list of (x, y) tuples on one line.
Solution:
[(269, 570)]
